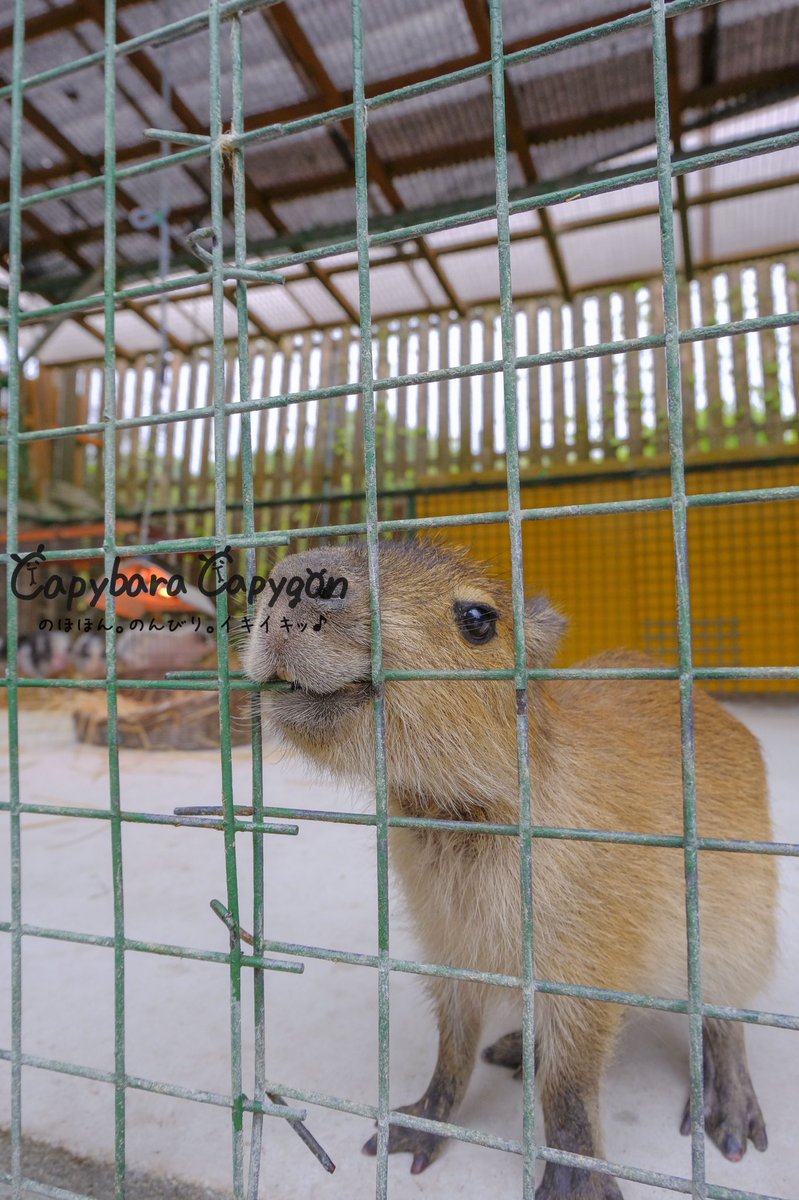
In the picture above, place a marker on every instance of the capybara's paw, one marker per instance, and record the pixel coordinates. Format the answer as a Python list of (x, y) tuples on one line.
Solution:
[(425, 1147), (506, 1052), (575, 1183), (732, 1118)]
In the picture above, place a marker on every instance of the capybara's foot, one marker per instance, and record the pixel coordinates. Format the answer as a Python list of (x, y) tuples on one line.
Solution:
[(732, 1118), (732, 1113), (425, 1147), (575, 1183), (506, 1052)]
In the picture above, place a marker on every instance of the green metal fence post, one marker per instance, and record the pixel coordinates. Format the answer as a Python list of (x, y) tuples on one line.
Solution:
[(679, 511), (248, 523), (221, 538), (373, 548), (521, 678), (12, 533), (109, 543)]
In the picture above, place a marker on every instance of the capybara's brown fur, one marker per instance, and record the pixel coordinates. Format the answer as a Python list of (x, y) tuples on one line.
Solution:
[(604, 754)]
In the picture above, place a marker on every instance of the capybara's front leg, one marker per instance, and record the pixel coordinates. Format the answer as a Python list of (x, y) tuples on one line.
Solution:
[(459, 1011), (577, 1037)]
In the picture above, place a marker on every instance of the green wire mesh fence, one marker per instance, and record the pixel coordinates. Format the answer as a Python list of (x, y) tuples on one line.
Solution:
[(266, 1097)]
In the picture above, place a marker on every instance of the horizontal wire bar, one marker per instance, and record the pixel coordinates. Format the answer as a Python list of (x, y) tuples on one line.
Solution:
[(138, 818), (492, 1141), (141, 291), (44, 1189), (530, 201), (203, 819), (161, 949), (411, 967), (388, 383), (139, 685), (166, 546), (548, 987), (86, 304), (620, 674), (622, 469), (155, 1086), (524, 201), (515, 58), (567, 833), (339, 1104), (410, 524), (179, 136)]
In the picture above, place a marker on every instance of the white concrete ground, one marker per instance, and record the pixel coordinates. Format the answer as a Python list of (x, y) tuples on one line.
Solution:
[(321, 1025)]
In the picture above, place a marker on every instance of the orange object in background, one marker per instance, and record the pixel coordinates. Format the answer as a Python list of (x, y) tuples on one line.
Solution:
[(130, 607)]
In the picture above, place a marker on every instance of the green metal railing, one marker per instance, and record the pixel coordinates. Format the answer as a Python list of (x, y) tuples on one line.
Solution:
[(268, 1097)]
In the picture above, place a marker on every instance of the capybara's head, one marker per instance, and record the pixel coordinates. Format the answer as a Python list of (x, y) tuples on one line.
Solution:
[(439, 610)]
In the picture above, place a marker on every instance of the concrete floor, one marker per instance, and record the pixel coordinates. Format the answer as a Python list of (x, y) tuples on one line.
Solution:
[(322, 1024)]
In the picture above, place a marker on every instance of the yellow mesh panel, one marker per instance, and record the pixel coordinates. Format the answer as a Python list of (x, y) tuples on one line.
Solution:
[(613, 576)]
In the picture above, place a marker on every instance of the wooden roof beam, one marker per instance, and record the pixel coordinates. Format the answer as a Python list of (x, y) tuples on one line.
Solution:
[(709, 47), (708, 93), (675, 118), (298, 48), (67, 248), (57, 20), (151, 73), (91, 274), (91, 234), (481, 27), (81, 161)]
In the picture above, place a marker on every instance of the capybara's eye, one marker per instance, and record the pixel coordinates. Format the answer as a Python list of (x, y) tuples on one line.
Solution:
[(477, 622)]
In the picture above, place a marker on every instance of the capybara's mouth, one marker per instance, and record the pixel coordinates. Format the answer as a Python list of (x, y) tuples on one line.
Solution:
[(300, 708), (357, 688)]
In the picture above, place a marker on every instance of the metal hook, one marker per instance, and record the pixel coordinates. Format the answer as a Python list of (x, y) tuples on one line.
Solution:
[(254, 274)]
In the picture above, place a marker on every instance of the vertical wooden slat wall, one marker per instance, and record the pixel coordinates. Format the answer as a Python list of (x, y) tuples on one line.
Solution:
[(322, 458)]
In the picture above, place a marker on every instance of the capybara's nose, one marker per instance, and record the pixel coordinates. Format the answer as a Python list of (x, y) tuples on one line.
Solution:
[(309, 581)]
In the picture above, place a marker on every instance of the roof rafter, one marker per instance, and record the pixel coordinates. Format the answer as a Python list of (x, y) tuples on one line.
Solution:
[(481, 26), (67, 247), (150, 72), (83, 286), (82, 161), (299, 50), (55, 21), (91, 234), (675, 117)]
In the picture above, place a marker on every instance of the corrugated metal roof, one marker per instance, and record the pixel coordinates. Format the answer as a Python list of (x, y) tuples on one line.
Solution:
[(580, 110)]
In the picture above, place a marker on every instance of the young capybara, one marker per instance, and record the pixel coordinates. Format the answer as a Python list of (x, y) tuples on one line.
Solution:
[(604, 754)]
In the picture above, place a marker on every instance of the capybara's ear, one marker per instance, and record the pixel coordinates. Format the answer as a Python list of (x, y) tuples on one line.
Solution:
[(545, 628)]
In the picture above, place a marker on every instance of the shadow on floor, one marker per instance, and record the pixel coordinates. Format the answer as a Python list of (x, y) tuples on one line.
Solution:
[(58, 1168)]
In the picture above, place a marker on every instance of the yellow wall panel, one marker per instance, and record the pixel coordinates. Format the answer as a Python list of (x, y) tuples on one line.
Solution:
[(613, 576)]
